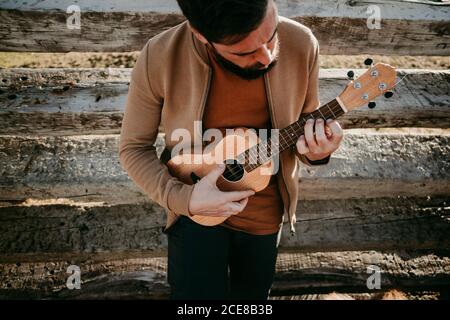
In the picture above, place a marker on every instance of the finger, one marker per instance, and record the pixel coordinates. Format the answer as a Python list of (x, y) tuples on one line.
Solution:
[(309, 134), (243, 202), (336, 129), (229, 213), (223, 213), (231, 208), (215, 173), (301, 145), (328, 132), (237, 195), (236, 207), (321, 138)]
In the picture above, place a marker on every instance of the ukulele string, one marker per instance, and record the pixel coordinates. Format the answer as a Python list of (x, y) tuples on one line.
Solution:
[(235, 174), (400, 80), (393, 86)]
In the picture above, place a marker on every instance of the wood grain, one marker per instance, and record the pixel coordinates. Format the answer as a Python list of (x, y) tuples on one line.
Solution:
[(144, 277), (326, 225), (342, 27), (87, 168), (92, 101)]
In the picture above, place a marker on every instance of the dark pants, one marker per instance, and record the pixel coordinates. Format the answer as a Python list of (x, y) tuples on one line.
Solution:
[(219, 263)]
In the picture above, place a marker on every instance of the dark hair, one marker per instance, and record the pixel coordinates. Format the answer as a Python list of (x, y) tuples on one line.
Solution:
[(224, 21)]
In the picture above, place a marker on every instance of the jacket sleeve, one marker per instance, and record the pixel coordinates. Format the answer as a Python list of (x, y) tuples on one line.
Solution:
[(312, 101), (139, 131)]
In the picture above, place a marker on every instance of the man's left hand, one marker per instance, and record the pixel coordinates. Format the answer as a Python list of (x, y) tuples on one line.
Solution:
[(320, 139)]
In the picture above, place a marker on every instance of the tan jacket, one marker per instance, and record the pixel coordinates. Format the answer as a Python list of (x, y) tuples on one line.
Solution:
[(170, 85)]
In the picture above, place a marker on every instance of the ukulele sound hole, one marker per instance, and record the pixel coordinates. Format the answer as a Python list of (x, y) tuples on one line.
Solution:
[(233, 171)]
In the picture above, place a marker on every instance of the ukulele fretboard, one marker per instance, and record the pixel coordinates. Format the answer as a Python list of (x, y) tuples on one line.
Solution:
[(261, 153)]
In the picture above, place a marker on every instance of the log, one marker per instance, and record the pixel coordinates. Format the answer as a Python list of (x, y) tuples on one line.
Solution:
[(81, 228), (87, 168), (348, 271), (92, 101), (380, 168), (296, 273), (326, 225), (370, 224), (342, 27)]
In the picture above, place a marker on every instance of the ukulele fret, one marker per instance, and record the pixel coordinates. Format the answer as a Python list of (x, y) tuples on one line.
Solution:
[(287, 137)]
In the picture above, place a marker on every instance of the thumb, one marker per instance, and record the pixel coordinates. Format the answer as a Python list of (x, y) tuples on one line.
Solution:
[(214, 174)]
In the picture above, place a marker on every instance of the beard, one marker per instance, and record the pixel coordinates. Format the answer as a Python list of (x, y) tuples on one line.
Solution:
[(250, 73)]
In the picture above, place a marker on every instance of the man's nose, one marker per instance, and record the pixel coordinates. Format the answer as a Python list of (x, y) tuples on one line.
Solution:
[(264, 56)]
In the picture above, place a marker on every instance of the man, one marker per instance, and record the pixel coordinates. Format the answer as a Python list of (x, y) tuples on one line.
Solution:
[(233, 63)]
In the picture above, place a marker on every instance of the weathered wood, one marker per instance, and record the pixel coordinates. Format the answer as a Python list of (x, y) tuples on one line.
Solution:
[(91, 101), (380, 170), (59, 77), (145, 278), (325, 225), (48, 32), (348, 271), (383, 166), (370, 224), (87, 168), (421, 28), (86, 228)]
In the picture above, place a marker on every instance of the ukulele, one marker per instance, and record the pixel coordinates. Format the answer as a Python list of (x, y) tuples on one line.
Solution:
[(246, 167)]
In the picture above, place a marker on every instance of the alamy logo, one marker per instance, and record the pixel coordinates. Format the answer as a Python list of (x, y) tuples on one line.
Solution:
[(74, 280), (73, 22), (267, 150), (374, 20), (374, 281)]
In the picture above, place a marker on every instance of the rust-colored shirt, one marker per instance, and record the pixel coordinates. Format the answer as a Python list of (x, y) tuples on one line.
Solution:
[(236, 102)]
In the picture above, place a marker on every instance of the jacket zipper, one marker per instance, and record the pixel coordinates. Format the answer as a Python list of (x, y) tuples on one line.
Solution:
[(204, 99), (274, 124)]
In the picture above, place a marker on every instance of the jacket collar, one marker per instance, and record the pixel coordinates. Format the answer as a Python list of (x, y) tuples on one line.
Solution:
[(199, 48)]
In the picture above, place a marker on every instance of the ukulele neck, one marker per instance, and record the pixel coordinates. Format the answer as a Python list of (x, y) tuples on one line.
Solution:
[(263, 152)]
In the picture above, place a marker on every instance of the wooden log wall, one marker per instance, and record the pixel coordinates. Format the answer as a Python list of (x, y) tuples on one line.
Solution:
[(140, 275), (421, 27), (91, 101), (63, 182), (64, 199)]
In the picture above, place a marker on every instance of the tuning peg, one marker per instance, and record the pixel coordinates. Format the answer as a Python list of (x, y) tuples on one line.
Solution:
[(368, 62), (372, 105), (388, 94), (351, 75)]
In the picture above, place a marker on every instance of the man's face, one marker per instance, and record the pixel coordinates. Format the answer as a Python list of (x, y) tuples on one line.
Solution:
[(253, 56)]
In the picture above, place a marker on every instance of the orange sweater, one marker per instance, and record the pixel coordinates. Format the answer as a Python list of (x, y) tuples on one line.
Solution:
[(236, 102)]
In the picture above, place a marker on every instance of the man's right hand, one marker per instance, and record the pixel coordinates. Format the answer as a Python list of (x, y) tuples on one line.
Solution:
[(208, 200)]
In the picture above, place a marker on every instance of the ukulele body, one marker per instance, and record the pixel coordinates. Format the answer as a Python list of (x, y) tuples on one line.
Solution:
[(191, 166)]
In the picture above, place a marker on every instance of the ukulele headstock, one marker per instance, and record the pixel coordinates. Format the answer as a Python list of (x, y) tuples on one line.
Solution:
[(379, 79)]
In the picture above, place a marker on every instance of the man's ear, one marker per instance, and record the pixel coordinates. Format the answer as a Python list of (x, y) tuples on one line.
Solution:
[(198, 35)]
